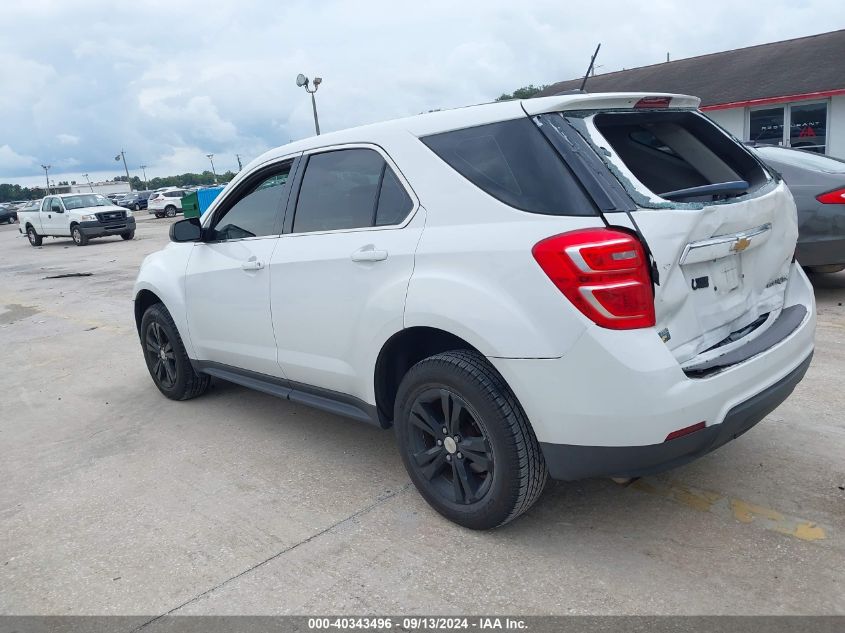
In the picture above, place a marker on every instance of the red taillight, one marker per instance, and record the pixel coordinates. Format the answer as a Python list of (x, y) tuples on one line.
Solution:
[(837, 196), (653, 102), (604, 273), (685, 431)]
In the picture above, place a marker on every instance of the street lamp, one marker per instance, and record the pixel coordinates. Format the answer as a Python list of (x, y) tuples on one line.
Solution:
[(211, 158), (46, 169), (123, 156), (302, 82), (144, 170), (89, 182)]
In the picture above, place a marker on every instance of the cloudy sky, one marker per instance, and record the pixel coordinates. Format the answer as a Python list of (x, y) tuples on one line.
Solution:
[(171, 81)]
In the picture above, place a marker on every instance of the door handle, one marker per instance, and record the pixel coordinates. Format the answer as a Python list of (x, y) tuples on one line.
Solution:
[(368, 254), (252, 264)]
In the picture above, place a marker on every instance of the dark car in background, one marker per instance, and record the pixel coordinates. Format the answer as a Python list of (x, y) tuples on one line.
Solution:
[(7, 214), (817, 183), (136, 200)]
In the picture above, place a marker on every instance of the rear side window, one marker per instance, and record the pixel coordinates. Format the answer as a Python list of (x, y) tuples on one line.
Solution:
[(515, 164), (349, 189)]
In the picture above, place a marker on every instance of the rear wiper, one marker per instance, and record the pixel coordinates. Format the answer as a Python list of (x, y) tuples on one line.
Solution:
[(716, 189)]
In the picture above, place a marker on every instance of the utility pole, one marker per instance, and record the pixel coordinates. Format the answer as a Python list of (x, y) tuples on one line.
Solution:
[(240, 167), (46, 169), (144, 171), (89, 182), (211, 158), (123, 156)]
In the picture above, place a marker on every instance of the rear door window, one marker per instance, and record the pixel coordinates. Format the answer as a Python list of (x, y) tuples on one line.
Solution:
[(349, 189), (514, 163)]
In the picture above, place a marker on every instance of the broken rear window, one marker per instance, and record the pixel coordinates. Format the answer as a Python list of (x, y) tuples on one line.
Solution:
[(676, 155)]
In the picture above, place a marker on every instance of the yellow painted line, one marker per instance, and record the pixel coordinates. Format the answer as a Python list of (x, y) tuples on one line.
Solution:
[(733, 509)]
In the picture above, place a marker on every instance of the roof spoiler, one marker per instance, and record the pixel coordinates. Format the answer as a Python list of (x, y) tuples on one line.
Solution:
[(578, 100)]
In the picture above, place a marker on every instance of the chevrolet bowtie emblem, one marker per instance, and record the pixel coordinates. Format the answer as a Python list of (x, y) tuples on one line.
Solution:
[(741, 244)]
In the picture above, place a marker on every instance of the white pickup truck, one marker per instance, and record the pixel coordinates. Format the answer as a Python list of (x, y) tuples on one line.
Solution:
[(80, 216)]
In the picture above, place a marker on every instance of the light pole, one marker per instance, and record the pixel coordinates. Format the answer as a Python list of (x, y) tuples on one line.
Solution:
[(302, 82), (123, 156), (89, 182), (46, 169), (240, 167), (144, 171), (211, 158)]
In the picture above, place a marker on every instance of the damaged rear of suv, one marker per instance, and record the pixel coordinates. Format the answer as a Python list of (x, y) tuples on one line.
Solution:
[(575, 286)]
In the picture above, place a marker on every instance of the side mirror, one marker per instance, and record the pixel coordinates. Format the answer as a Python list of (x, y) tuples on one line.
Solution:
[(189, 230), (57, 210)]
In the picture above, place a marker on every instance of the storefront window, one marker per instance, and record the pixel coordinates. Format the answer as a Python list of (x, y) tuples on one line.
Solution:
[(799, 125), (767, 126), (808, 126)]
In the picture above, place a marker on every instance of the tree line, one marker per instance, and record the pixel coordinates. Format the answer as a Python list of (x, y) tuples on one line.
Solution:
[(9, 192)]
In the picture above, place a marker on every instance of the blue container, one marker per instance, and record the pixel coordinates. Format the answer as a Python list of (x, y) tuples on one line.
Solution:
[(206, 196)]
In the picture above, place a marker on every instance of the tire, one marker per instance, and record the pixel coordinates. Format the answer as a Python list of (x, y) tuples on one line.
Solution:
[(170, 211), (495, 454), (128, 235), (823, 270), (137, 207), (166, 358), (34, 238), (79, 238)]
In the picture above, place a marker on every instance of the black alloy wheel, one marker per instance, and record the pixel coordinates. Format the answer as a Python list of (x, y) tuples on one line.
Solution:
[(160, 355), (449, 446)]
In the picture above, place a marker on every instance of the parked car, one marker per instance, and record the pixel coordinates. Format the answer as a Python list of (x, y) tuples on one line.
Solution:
[(166, 203), (7, 214), (80, 216), (817, 183), (136, 201), (520, 289)]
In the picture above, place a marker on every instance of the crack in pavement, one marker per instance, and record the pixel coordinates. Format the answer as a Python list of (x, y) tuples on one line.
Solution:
[(379, 501)]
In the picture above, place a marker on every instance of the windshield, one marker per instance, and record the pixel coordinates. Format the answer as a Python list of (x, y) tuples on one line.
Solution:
[(88, 200), (799, 158)]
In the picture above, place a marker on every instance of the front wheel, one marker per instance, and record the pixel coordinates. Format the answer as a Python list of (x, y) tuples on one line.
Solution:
[(33, 237), (137, 207), (170, 211), (79, 238), (167, 360), (128, 235), (465, 441)]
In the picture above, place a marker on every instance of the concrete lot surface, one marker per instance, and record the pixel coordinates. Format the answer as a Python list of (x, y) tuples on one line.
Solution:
[(115, 500)]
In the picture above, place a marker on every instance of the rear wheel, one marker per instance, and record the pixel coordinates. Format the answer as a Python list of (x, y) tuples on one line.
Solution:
[(79, 238), (465, 441), (167, 360), (33, 237), (170, 211), (128, 235)]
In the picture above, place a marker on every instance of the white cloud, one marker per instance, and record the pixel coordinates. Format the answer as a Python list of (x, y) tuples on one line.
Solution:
[(219, 78), (11, 161)]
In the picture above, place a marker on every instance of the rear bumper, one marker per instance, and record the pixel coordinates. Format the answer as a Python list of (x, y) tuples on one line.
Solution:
[(98, 229), (607, 405), (568, 462), (821, 252)]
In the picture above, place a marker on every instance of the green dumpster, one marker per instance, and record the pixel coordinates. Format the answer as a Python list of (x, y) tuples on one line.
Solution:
[(191, 205)]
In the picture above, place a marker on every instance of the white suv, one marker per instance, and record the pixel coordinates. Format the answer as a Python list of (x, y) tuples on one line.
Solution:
[(167, 203), (578, 285)]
